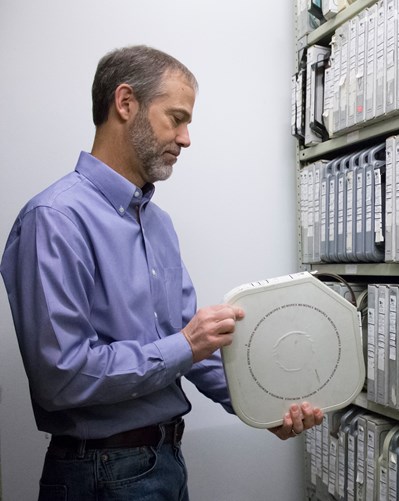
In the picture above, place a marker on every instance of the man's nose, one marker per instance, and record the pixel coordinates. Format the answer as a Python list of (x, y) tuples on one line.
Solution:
[(183, 137)]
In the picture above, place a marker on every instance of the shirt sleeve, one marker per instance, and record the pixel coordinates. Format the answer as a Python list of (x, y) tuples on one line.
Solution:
[(66, 364), (209, 378), (208, 375)]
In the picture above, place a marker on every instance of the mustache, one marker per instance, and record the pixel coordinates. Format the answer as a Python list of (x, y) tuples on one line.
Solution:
[(173, 151)]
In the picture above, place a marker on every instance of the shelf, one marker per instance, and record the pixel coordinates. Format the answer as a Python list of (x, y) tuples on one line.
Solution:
[(383, 127), (361, 401), (328, 28), (358, 269)]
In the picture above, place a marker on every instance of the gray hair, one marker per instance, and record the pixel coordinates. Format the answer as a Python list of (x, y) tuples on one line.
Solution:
[(139, 66)]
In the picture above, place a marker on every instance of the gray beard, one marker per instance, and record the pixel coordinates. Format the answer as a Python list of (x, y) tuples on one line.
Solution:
[(149, 150)]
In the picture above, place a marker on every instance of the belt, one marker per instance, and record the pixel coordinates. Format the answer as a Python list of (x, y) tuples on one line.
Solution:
[(140, 437)]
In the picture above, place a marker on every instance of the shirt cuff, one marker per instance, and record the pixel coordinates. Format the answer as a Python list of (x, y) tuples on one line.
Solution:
[(176, 353)]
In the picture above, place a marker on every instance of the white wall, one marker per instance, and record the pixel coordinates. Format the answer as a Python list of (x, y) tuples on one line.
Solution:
[(232, 195)]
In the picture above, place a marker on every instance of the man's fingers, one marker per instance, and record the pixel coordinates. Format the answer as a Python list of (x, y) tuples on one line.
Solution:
[(239, 313), (297, 419), (311, 415), (308, 416), (224, 311), (211, 328)]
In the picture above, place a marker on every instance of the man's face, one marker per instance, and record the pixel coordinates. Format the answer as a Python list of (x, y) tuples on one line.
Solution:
[(159, 131)]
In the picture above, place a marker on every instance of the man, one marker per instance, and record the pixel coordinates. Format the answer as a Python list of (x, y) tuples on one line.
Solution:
[(104, 310)]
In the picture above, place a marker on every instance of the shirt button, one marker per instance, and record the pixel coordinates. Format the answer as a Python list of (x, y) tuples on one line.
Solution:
[(137, 194), (154, 273), (121, 209), (178, 374), (155, 314)]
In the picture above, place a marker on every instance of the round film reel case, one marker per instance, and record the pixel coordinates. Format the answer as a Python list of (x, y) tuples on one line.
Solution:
[(299, 341)]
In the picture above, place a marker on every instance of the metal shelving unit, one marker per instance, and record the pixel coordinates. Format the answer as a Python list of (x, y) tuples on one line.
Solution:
[(358, 269), (362, 401), (345, 142), (351, 138), (328, 28), (381, 128)]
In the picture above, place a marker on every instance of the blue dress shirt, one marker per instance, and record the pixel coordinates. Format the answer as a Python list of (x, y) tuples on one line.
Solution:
[(99, 295)]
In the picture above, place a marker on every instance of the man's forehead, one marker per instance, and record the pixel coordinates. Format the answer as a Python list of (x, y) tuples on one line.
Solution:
[(175, 80), (176, 93)]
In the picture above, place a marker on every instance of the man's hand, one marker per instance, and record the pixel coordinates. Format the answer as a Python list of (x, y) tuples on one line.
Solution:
[(211, 328), (297, 420)]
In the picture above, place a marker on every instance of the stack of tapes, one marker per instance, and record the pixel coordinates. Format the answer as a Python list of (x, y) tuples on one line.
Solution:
[(362, 77), (349, 207), (382, 345), (352, 456), (352, 82)]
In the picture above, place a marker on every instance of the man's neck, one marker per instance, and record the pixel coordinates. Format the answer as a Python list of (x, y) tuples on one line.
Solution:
[(115, 154)]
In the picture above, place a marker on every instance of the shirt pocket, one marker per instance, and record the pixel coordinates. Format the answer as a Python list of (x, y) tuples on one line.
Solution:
[(173, 287)]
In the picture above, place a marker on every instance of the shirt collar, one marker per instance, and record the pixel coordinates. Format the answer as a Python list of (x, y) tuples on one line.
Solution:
[(118, 190)]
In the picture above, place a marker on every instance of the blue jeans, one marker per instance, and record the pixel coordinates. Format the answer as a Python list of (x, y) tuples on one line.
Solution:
[(123, 474)]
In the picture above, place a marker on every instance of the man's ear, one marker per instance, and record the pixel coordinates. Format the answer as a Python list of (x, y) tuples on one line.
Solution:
[(125, 102)]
